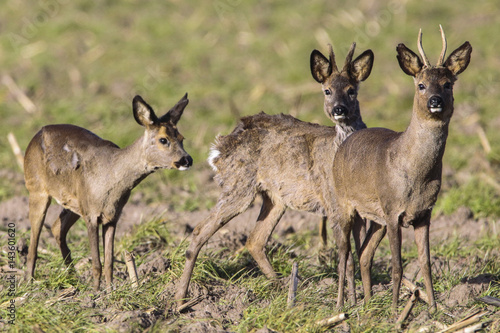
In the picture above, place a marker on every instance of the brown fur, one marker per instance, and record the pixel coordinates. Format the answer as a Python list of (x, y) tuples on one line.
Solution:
[(394, 178), (284, 160), (92, 178)]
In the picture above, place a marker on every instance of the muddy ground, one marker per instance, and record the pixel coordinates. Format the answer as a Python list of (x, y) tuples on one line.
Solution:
[(211, 314)]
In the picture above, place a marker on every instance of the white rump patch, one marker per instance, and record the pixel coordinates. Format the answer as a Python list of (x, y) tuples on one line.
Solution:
[(214, 153)]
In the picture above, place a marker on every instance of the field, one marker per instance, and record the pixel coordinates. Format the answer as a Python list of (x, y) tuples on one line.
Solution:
[(82, 62)]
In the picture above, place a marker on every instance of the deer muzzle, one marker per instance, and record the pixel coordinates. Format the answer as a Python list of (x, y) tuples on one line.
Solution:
[(339, 112), (435, 104), (184, 163)]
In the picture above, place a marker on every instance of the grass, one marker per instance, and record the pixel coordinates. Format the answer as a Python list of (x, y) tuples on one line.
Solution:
[(82, 63), (265, 301)]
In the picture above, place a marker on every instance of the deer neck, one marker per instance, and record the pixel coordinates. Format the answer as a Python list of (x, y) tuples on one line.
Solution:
[(130, 167), (423, 144)]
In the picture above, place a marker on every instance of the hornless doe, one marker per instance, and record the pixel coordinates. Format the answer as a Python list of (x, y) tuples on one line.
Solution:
[(394, 178), (284, 160), (92, 178)]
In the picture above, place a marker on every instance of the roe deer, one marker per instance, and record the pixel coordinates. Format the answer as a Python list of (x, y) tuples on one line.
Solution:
[(394, 178), (284, 160), (92, 178)]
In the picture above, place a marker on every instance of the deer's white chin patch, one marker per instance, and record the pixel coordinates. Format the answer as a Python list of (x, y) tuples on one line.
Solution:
[(339, 117), (182, 168), (436, 110)]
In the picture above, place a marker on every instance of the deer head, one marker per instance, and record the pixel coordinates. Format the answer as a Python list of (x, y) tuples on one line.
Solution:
[(341, 87), (162, 141), (434, 84)]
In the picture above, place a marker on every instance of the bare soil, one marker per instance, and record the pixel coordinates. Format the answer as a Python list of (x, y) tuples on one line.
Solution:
[(222, 306)]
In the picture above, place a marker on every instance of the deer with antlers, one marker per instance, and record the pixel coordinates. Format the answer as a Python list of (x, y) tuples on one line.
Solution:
[(284, 160), (394, 178)]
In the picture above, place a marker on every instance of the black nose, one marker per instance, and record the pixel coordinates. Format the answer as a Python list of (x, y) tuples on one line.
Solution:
[(185, 161), (435, 102), (340, 110)]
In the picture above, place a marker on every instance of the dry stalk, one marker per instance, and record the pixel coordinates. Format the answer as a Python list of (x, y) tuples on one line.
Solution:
[(18, 94), (16, 150), (423, 296), (471, 320), (409, 306), (484, 140), (131, 268), (292, 290), (471, 329), (490, 300), (332, 320), (190, 303)]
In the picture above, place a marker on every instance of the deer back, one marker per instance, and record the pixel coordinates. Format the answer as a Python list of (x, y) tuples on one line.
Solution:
[(278, 154)]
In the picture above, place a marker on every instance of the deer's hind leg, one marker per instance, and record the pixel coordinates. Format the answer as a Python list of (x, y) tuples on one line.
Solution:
[(270, 215), (232, 202), (93, 234), (38, 204), (60, 230), (108, 238)]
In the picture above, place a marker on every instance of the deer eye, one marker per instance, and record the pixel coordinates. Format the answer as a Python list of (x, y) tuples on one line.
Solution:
[(328, 92), (421, 86), (447, 85), (164, 141), (351, 92)]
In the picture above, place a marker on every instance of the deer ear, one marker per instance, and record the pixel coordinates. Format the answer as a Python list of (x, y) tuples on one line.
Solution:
[(361, 67), (459, 59), (143, 113), (320, 66), (409, 62), (175, 113)]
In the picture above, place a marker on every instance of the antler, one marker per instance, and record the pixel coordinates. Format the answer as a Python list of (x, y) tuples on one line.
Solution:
[(443, 52), (421, 50), (332, 68), (348, 59)]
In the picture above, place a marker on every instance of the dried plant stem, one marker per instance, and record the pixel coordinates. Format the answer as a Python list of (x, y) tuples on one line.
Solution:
[(409, 306), (332, 320), (18, 94), (471, 320), (16, 150), (131, 268), (190, 303)]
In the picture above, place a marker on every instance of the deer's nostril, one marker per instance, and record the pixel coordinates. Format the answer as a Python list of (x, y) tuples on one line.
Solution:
[(185, 161), (340, 110), (435, 102)]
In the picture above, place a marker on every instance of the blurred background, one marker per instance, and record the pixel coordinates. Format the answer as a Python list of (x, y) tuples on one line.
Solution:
[(81, 62)]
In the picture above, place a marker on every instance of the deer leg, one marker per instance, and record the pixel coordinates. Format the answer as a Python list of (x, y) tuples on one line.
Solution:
[(422, 241), (375, 234), (93, 234), (344, 247), (359, 233), (394, 234), (38, 204), (229, 205), (60, 229), (108, 237), (270, 215), (351, 284), (323, 232)]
